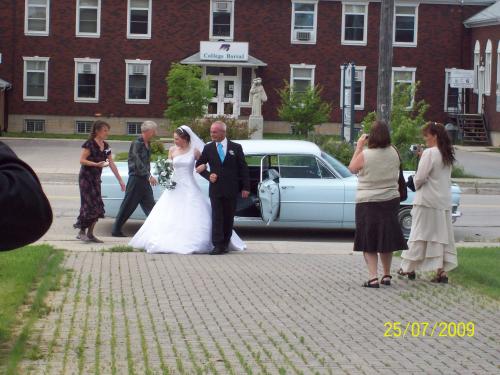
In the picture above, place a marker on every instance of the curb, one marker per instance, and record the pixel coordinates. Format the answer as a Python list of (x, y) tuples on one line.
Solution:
[(478, 186)]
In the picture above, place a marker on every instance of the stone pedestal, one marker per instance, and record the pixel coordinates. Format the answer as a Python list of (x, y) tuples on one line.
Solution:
[(256, 123)]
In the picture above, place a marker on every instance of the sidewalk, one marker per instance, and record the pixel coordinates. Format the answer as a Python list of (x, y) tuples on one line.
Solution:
[(253, 312)]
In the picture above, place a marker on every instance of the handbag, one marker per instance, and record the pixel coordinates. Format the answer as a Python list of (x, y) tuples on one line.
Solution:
[(403, 191)]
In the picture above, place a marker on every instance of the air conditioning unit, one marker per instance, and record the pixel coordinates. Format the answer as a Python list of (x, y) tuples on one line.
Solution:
[(87, 68), (138, 69), (222, 6), (303, 36)]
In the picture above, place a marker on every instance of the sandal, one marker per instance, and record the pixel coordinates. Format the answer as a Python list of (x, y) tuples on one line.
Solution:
[(371, 283), (440, 278), (94, 239), (82, 237), (386, 280), (411, 275)]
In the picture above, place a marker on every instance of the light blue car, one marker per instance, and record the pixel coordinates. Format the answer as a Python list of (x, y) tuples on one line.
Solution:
[(294, 184)]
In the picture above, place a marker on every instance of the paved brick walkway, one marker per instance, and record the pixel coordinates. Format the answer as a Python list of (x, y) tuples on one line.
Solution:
[(252, 313)]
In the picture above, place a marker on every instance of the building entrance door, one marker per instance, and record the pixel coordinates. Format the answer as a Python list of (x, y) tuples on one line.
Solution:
[(224, 100)]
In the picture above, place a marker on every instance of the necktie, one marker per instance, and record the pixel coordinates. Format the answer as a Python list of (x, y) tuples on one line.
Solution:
[(220, 150)]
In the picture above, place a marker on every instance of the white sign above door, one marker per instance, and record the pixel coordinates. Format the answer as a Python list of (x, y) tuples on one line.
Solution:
[(462, 79), (224, 51)]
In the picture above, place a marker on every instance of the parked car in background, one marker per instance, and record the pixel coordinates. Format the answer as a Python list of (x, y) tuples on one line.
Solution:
[(294, 184)]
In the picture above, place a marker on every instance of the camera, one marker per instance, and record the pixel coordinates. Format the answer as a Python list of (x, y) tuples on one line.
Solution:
[(415, 148)]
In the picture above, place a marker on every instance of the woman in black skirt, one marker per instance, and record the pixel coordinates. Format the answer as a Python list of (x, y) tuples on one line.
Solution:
[(377, 202), (95, 156)]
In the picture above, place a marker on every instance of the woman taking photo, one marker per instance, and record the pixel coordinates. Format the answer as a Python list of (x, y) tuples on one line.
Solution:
[(377, 202), (95, 155), (431, 243)]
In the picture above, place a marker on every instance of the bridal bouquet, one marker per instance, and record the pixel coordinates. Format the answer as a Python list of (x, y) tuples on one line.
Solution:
[(164, 170)]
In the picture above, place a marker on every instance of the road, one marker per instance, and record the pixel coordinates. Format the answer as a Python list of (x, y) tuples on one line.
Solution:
[(480, 220)]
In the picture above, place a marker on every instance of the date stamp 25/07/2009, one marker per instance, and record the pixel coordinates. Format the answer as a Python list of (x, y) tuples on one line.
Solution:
[(429, 329)]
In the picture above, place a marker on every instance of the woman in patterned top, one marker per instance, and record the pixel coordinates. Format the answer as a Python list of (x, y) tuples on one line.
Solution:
[(95, 156)]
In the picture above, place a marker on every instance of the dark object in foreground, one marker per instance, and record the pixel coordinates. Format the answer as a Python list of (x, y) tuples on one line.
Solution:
[(25, 212)]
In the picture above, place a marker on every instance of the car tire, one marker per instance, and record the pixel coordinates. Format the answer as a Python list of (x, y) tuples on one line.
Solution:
[(404, 219)]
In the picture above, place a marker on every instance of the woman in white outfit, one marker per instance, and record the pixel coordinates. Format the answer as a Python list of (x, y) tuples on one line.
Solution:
[(181, 220), (431, 243)]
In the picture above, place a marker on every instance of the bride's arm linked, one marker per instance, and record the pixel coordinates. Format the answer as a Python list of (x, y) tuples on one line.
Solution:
[(202, 161), (202, 167)]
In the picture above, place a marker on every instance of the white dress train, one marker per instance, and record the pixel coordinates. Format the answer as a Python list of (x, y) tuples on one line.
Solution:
[(181, 220)]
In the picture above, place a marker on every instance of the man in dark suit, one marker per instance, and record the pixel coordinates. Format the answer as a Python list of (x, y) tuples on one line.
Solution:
[(228, 176), (25, 210)]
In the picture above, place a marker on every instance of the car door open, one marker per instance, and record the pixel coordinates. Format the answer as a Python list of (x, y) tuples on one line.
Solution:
[(268, 192)]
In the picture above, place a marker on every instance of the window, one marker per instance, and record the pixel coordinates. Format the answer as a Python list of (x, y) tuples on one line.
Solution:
[(83, 127), (134, 128), (36, 19), (87, 80), (487, 68), (221, 19), (302, 77), (137, 81), (498, 77), (405, 25), (304, 21), (139, 19), (299, 166), (34, 126), (246, 84), (88, 18), (402, 78), (36, 71), (359, 87), (354, 23), (477, 62)]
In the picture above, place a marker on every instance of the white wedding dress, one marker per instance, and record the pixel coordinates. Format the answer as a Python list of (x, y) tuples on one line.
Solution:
[(181, 220)]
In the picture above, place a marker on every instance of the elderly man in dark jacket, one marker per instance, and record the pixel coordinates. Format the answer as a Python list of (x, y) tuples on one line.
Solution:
[(139, 191), (25, 212)]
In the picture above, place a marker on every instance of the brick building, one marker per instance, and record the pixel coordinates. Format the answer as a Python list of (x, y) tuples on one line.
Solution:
[(64, 62)]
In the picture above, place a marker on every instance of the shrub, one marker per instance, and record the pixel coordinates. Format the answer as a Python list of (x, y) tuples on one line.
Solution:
[(303, 110), (188, 94), (342, 151), (236, 129)]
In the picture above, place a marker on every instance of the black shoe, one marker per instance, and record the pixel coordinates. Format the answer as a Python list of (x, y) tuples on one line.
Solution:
[(118, 234), (217, 251)]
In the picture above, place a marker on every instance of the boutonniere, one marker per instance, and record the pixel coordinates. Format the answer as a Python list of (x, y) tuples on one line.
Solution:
[(107, 151), (231, 152)]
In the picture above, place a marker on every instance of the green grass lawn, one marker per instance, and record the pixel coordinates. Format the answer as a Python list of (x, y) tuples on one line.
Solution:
[(478, 268), (26, 276)]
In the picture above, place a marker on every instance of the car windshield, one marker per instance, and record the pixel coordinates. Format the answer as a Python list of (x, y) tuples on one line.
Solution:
[(336, 165)]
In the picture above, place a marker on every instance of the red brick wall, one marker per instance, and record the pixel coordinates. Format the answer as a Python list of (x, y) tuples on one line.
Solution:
[(483, 34), (177, 28)]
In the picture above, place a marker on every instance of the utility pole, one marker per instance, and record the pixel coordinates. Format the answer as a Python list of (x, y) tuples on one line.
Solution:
[(384, 97)]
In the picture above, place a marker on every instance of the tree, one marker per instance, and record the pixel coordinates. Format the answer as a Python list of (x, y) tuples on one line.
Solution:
[(188, 94), (303, 110), (407, 119)]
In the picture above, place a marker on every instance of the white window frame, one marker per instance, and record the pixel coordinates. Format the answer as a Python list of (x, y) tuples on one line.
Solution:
[(86, 121), (415, 26), (302, 66), (43, 98), (25, 128), (487, 67), (139, 36), (137, 123), (498, 78), (293, 38), (47, 21), (404, 69), (477, 63), (90, 61), (128, 63), (365, 26), (230, 38), (79, 33), (362, 69)]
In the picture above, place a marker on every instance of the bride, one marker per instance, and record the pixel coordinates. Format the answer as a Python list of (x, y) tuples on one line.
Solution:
[(181, 220)]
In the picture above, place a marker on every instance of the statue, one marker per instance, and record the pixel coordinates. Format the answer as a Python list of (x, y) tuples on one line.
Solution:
[(257, 97)]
